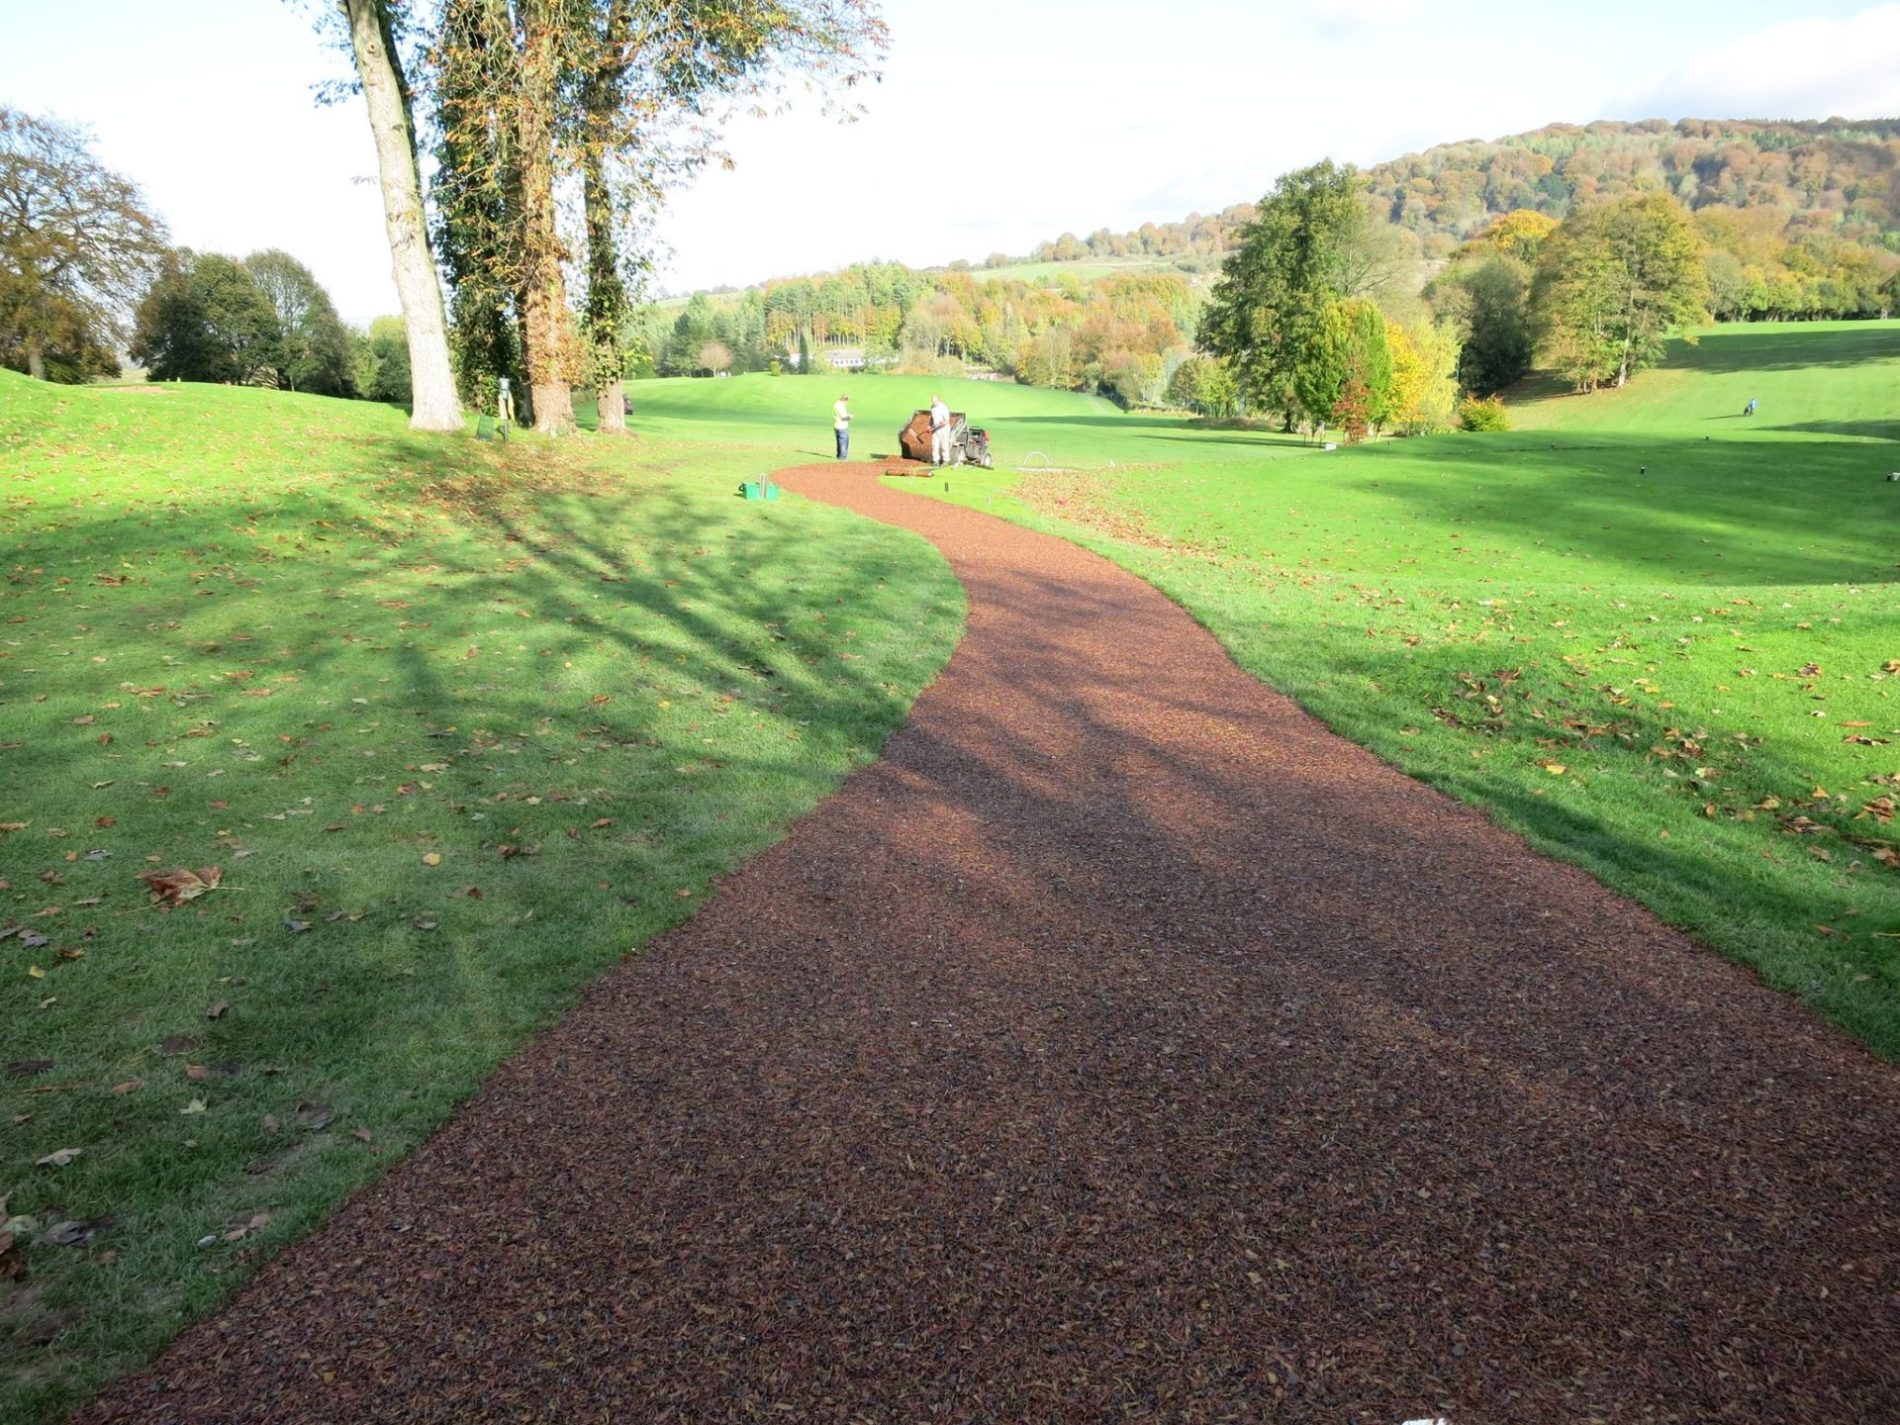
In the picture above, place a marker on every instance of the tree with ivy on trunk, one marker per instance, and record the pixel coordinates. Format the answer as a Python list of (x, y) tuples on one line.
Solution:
[(629, 95)]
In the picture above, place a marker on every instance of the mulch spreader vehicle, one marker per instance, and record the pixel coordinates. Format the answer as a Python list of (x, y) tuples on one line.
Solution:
[(968, 446)]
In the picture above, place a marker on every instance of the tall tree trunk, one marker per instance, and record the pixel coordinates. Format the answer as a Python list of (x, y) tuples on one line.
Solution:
[(549, 330), (606, 293), (434, 405), (35, 361), (606, 298)]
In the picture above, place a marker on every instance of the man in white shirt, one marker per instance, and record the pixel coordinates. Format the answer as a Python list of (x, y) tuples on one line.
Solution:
[(939, 431), (841, 423)]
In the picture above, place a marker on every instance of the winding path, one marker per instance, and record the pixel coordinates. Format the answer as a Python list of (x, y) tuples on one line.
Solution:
[(1123, 1046)]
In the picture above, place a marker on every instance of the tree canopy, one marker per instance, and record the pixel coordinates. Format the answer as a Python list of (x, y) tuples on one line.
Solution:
[(313, 348), (77, 245), (1275, 314), (205, 319), (1613, 281)]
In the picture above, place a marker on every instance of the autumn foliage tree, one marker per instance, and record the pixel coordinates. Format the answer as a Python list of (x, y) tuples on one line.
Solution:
[(1275, 314), (1613, 282)]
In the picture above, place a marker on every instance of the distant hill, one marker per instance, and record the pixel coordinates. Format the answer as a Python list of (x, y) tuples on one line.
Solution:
[(1835, 176)]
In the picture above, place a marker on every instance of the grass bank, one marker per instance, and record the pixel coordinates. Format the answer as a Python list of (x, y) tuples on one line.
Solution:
[(457, 724)]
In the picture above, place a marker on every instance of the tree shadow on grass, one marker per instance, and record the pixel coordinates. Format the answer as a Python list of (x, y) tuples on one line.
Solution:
[(357, 604), (1665, 507), (1785, 346)]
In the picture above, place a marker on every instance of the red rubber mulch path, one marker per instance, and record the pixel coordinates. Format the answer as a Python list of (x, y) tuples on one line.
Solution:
[(1121, 1047)]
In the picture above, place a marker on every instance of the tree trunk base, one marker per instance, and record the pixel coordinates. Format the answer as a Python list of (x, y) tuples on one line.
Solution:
[(553, 408), (613, 409)]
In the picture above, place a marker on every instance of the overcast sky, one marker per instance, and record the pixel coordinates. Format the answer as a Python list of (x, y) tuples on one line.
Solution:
[(997, 124)]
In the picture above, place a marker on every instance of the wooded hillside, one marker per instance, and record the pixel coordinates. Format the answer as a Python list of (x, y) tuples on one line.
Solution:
[(1832, 177)]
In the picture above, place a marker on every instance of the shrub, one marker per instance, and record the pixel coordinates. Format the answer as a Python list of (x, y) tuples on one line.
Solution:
[(1482, 414)]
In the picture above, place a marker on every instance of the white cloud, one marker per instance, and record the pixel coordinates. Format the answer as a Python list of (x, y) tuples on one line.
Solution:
[(1804, 69)]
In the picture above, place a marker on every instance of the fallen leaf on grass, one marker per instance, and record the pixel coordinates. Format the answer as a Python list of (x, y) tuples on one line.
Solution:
[(171, 888), (296, 927), (197, 1105), (59, 1158), (129, 1086), (362, 1135), (216, 1011), (257, 1224), (434, 858), (178, 1044)]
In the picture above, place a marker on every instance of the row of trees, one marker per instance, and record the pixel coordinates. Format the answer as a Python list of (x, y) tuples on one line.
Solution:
[(264, 321), (1801, 220), (1296, 317), (86, 274), (556, 127), (1595, 296), (1120, 334)]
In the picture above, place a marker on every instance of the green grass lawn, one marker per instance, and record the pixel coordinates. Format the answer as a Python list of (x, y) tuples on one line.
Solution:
[(459, 724), (1659, 639)]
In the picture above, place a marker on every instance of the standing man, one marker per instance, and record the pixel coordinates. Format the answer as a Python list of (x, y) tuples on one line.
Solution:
[(939, 431), (841, 424)]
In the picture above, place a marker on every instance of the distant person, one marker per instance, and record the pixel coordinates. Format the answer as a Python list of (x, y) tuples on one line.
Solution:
[(939, 431), (1749, 409), (841, 425)]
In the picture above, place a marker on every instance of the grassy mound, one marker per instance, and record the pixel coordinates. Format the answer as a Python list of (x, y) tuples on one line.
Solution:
[(457, 724)]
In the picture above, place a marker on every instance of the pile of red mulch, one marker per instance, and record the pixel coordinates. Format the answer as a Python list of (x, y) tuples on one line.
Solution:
[(1121, 1047)]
